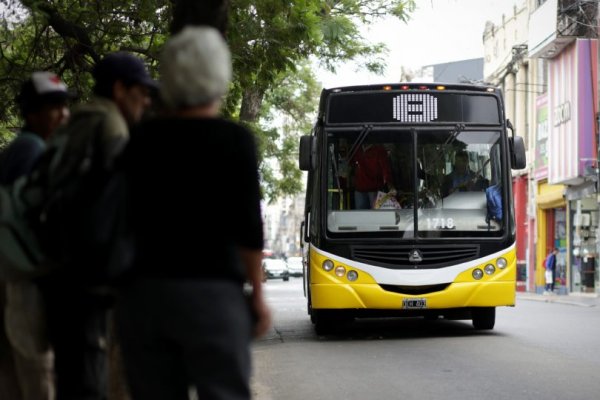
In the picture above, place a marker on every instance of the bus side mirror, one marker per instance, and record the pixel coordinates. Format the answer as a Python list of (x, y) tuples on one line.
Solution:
[(302, 234), (308, 153), (517, 152), (304, 231)]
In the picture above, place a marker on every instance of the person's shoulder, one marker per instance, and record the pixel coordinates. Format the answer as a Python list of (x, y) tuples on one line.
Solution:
[(231, 126), (234, 130), (30, 138), (102, 111), (26, 141)]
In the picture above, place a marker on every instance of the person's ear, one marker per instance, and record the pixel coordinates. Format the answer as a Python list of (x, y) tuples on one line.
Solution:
[(118, 90)]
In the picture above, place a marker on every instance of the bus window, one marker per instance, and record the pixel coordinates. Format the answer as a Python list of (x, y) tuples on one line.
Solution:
[(458, 170), (359, 167)]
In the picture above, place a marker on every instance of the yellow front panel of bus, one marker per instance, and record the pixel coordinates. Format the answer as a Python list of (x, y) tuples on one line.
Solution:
[(331, 291)]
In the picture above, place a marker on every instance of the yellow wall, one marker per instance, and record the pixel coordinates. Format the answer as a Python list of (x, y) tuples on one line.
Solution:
[(548, 197)]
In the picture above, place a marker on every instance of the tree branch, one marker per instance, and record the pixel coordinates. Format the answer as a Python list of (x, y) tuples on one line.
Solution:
[(67, 29), (192, 12)]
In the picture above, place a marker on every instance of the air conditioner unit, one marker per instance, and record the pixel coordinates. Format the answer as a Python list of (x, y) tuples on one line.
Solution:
[(581, 219)]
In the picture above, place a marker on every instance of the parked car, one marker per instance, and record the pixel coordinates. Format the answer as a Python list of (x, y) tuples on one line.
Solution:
[(275, 268), (295, 266)]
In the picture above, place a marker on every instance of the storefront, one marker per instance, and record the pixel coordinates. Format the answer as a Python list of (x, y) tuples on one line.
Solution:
[(552, 233), (566, 204), (584, 248)]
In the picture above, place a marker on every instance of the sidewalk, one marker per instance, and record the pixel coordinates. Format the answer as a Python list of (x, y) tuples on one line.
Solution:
[(574, 299)]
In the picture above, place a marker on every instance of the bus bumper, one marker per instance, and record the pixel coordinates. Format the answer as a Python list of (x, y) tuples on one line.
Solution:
[(372, 296)]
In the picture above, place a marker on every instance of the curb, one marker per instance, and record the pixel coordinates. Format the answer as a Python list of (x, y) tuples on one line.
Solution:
[(578, 301)]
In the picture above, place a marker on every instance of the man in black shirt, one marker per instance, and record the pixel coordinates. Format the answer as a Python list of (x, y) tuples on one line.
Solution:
[(184, 319)]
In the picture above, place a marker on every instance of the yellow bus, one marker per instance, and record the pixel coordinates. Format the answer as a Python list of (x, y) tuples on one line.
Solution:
[(409, 208)]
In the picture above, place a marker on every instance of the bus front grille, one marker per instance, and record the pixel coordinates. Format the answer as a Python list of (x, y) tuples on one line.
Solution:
[(415, 290), (415, 256)]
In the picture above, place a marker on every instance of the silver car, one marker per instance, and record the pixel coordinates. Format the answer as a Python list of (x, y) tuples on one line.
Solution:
[(295, 266), (275, 268)]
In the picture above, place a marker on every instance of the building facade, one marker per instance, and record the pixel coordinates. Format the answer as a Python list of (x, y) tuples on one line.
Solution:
[(545, 58), (506, 65)]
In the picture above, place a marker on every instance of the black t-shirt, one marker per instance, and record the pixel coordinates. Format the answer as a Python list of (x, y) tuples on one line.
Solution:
[(195, 197)]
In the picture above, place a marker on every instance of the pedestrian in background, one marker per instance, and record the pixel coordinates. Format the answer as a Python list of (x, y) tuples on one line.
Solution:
[(550, 274), (77, 309), (42, 102), (184, 319)]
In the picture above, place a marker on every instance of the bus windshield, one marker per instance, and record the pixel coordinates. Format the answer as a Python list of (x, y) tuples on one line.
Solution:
[(402, 182)]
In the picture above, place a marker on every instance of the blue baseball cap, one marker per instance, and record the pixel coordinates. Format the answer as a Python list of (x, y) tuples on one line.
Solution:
[(121, 66)]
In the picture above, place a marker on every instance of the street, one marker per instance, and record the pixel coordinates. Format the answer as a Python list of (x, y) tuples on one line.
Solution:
[(538, 350)]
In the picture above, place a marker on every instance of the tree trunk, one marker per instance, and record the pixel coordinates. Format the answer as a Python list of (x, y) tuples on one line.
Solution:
[(251, 103), (192, 12)]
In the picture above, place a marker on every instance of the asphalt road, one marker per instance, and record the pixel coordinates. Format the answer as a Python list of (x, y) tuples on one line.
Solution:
[(540, 349)]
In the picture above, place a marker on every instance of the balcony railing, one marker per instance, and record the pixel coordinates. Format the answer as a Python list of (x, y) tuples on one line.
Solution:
[(556, 23)]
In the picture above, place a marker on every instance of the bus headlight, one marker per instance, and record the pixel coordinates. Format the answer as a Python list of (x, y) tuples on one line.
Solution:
[(352, 276), (501, 263), (477, 274), (340, 271), (489, 269), (327, 265)]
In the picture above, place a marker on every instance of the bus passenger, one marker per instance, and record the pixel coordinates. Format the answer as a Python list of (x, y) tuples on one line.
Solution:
[(372, 173)]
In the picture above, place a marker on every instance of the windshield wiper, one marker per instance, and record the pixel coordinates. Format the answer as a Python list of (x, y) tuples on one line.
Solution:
[(359, 140), (335, 169), (454, 135)]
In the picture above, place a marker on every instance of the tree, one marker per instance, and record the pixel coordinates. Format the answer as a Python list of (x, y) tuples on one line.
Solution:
[(269, 39), (288, 109)]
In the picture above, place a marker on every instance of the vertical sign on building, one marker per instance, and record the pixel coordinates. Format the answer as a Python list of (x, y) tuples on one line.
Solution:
[(541, 131), (571, 112)]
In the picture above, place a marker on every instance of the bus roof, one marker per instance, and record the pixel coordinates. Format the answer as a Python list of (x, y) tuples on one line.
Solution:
[(458, 103), (415, 86)]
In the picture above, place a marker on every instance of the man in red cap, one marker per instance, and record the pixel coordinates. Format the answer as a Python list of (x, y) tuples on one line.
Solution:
[(42, 102)]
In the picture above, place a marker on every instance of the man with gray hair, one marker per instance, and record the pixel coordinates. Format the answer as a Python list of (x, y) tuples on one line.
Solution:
[(184, 319)]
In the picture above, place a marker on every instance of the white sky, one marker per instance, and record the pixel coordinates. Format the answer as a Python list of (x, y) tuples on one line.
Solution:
[(439, 31)]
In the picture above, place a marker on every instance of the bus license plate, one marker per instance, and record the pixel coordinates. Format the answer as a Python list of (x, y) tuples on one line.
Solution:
[(411, 304)]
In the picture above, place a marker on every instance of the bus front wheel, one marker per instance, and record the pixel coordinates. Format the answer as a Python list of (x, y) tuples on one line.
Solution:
[(483, 317)]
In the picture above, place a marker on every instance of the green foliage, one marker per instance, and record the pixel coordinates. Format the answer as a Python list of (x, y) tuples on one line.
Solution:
[(290, 106), (271, 42), (69, 36)]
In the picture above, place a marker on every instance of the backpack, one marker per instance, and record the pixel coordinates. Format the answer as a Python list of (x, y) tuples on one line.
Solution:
[(55, 217), (493, 196), (20, 253)]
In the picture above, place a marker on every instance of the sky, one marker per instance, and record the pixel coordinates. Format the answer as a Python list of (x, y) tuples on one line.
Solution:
[(438, 31)]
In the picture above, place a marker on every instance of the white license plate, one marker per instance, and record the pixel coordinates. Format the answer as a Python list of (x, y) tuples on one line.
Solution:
[(412, 304)]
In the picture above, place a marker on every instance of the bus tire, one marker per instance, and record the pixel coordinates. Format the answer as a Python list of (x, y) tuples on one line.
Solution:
[(484, 318)]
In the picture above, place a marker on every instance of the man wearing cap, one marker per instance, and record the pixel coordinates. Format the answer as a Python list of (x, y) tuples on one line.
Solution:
[(42, 102), (77, 312), (122, 93), (43, 105)]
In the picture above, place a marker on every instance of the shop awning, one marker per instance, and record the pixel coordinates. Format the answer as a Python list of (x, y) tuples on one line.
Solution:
[(550, 196)]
